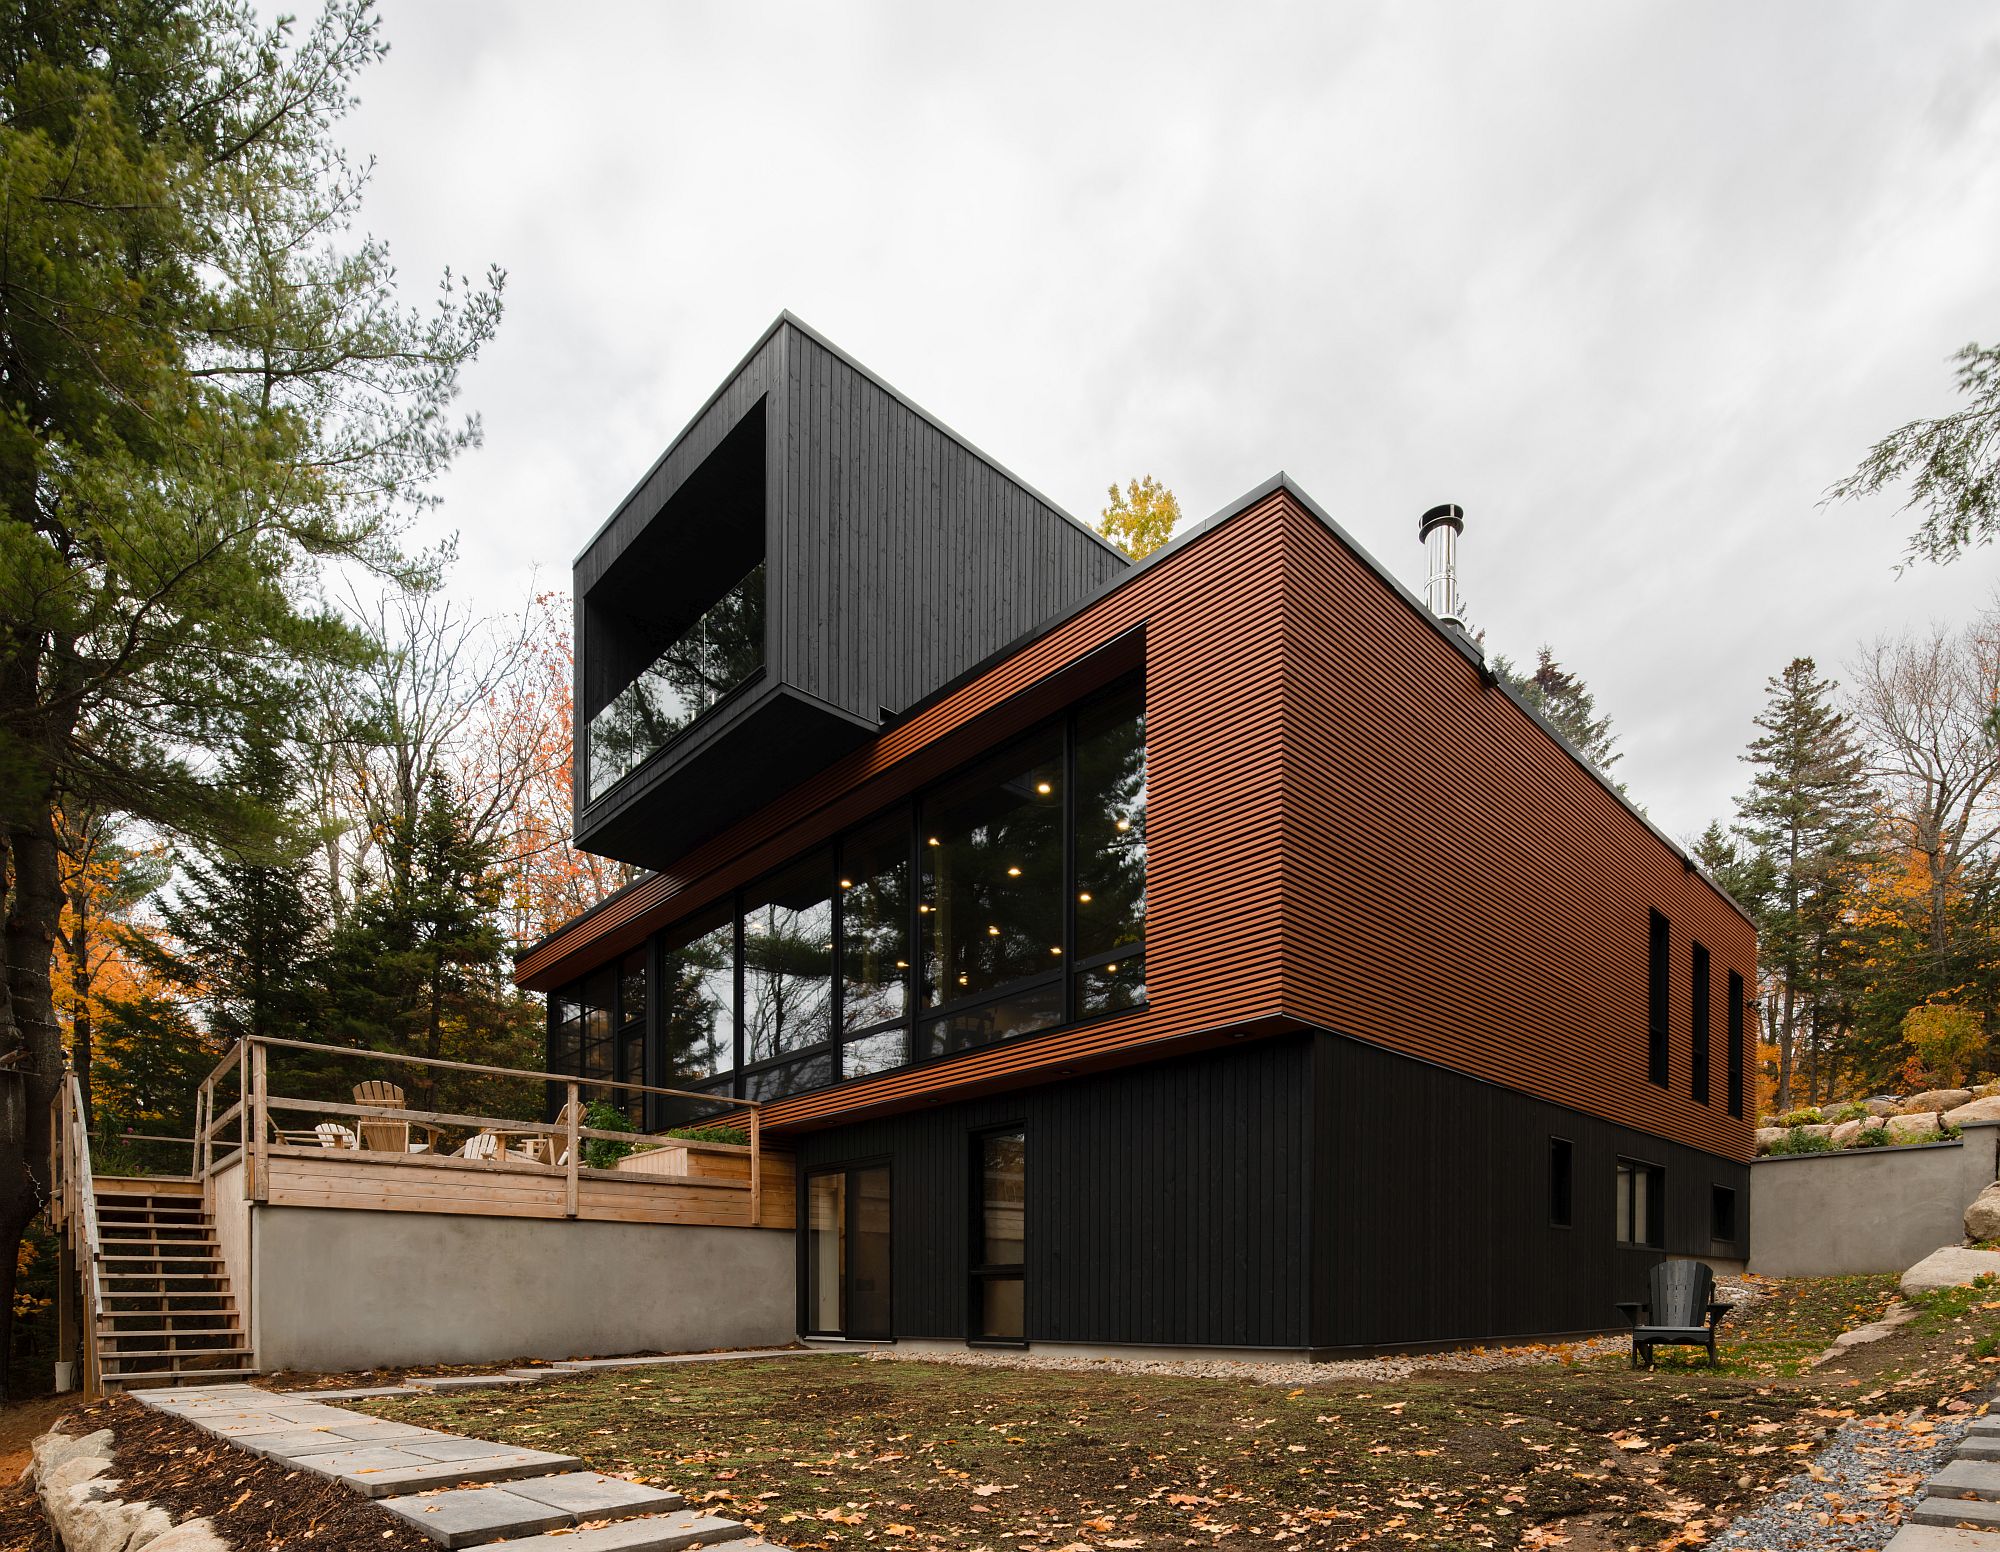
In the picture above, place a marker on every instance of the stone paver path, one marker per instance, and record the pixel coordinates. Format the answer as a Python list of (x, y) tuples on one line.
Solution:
[(1960, 1509), (459, 1492)]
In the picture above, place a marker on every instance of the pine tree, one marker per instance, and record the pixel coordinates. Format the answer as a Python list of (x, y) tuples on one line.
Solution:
[(1567, 703), (420, 967), (243, 934), (1807, 817)]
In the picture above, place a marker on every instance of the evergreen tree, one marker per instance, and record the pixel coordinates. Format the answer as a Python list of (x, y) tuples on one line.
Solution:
[(212, 390), (1567, 703), (420, 967), (243, 933), (1807, 818)]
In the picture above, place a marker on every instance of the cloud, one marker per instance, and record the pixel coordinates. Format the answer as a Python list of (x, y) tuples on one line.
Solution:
[(1634, 284)]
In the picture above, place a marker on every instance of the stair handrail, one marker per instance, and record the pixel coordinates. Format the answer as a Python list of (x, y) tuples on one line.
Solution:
[(79, 1200)]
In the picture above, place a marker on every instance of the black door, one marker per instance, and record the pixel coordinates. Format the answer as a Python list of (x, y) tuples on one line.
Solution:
[(847, 1252)]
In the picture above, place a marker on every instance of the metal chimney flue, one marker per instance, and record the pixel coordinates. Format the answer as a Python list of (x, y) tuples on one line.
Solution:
[(1439, 529)]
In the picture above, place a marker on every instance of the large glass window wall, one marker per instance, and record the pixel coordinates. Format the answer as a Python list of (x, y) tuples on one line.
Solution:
[(1006, 899)]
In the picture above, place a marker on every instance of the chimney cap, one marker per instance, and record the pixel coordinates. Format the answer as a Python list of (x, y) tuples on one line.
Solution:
[(1450, 512)]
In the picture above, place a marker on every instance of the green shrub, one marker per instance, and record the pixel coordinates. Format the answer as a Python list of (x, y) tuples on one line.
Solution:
[(1798, 1140), (1853, 1110), (1810, 1116), (1871, 1137), (728, 1134), (602, 1152)]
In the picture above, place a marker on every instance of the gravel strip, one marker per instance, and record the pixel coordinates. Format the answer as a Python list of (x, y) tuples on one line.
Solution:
[(1872, 1470), (1464, 1360), (1288, 1374)]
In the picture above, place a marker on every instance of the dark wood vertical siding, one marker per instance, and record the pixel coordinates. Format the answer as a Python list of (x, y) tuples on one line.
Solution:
[(907, 581), (1431, 1194), (1456, 886), (1167, 1204)]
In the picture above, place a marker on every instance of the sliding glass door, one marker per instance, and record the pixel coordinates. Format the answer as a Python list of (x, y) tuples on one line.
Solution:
[(847, 1252)]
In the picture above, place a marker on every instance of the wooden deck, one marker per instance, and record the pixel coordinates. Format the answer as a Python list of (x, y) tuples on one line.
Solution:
[(418, 1183)]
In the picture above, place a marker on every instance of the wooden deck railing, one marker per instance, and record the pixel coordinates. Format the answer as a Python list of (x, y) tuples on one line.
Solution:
[(74, 1211), (246, 1129)]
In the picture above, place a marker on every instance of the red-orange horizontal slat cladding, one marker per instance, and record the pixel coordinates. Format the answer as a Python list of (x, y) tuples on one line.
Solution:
[(1457, 888), (1302, 727)]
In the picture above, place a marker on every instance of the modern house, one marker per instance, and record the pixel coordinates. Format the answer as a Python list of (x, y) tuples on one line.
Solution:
[(1209, 952)]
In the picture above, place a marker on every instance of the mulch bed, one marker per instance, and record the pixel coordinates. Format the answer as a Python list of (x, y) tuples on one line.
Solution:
[(252, 1502)]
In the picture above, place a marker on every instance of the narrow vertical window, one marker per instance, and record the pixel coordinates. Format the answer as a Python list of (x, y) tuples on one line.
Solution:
[(1657, 962), (1561, 1182), (697, 1019), (1698, 1029), (1734, 1055), (788, 980), (1110, 847), (1722, 1214), (1641, 1215), (632, 1034), (999, 1236), (874, 887)]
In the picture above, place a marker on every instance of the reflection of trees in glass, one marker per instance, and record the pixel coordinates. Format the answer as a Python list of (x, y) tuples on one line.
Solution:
[(698, 1005), (991, 906), (788, 962), (716, 654), (875, 917), (1111, 824)]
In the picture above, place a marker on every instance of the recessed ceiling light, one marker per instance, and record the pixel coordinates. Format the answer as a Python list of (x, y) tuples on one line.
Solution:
[(1084, 896), (902, 964), (992, 932), (1055, 949), (847, 883), (1013, 872), (923, 910), (1123, 824), (1044, 788), (934, 840), (1110, 969)]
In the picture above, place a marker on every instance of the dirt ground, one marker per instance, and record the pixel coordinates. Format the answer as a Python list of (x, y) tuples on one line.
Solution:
[(843, 1451)]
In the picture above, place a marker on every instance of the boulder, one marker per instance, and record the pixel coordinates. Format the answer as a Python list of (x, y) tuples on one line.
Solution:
[(1987, 1109), (1982, 1218), (1952, 1267), (1766, 1135), (1935, 1100), (1903, 1127), (1848, 1133), (1880, 1107), (194, 1536)]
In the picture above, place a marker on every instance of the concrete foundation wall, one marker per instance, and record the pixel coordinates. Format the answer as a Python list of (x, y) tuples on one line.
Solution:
[(1869, 1210), (339, 1289)]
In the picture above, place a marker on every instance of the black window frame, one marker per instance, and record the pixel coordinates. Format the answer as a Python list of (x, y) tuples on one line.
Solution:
[(1659, 972), (915, 1017), (980, 1274), (1562, 1183), (1739, 1008), (1655, 1229), (1698, 1016), (1723, 1208)]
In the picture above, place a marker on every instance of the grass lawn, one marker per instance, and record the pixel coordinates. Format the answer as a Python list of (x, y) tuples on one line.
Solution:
[(845, 1451)]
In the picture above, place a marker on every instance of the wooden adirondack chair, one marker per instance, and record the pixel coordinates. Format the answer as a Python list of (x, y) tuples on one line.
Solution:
[(382, 1136), (1681, 1311)]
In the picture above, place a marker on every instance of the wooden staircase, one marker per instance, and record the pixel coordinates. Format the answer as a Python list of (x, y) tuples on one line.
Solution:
[(165, 1311)]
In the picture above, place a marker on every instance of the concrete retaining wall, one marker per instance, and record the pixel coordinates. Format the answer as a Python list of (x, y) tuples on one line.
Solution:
[(340, 1289), (1867, 1210)]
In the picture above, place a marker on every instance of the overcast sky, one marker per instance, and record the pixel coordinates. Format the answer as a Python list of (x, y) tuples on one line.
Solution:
[(1633, 284)]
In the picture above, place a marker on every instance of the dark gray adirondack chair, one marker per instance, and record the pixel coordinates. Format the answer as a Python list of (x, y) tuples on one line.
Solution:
[(1681, 1311)]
